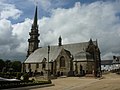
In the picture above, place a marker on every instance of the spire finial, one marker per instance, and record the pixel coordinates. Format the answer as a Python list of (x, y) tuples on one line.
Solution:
[(90, 42), (60, 41), (35, 18), (96, 43)]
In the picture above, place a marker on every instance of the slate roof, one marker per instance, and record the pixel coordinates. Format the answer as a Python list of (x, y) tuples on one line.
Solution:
[(116, 60), (81, 56), (106, 62), (41, 53)]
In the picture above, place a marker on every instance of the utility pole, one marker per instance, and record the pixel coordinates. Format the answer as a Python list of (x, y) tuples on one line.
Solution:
[(48, 63)]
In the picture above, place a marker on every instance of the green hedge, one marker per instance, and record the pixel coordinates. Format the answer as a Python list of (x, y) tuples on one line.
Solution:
[(10, 74), (15, 84)]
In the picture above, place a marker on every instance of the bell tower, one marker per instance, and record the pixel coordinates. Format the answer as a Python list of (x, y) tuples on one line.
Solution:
[(33, 41)]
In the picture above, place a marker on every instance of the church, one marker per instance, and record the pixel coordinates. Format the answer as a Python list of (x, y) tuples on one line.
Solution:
[(72, 59)]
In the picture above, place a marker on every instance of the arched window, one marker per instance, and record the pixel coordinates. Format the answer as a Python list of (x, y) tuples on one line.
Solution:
[(62, 62)]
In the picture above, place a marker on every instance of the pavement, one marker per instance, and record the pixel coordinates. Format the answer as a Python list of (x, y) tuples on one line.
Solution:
[(108, 82)]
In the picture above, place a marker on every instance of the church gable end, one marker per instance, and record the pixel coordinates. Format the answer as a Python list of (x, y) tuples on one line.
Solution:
[(63, 62), (95, 53)]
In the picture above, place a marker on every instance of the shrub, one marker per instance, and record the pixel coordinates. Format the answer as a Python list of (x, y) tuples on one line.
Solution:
[(1, 74), (26, 77), (18, 75), (49, 81)]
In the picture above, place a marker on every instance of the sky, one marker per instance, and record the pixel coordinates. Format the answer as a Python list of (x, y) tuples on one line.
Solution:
[(74, 20)]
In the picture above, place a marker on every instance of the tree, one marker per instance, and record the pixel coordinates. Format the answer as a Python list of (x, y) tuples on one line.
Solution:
[(7, 65), (16, 65), (2, 64)]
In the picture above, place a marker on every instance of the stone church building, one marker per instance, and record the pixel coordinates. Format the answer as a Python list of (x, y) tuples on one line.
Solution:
[(68, 59)]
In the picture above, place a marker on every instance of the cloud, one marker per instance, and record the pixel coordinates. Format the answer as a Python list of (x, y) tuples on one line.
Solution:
[(5, 33), (9, 11), (21, 30), (48, 5), (97, 20), (44, 4), (13, 38), (8, 41)]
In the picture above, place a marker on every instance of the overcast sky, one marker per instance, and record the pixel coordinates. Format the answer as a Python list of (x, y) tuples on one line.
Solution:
[(75, 20)]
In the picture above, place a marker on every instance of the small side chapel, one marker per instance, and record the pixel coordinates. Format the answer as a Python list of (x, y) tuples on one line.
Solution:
[(69, 59)]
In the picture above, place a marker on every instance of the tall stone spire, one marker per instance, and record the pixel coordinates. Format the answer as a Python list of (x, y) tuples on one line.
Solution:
[(33, 41)]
